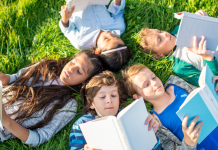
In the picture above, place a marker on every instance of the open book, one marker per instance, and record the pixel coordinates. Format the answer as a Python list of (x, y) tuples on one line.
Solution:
[(1, 126), (127, 131), (81, 5), (197, 25), (203, 101)]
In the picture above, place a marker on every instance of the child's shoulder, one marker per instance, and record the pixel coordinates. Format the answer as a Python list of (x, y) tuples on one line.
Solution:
[(85, 118)]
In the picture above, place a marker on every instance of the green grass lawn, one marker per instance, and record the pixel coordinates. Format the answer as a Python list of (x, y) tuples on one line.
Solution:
[(30, 31)]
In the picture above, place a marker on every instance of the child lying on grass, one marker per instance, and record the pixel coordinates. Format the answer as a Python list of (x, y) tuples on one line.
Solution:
[(33, 97), (188, 62), (102, 96), (95, 28), (140, 81)]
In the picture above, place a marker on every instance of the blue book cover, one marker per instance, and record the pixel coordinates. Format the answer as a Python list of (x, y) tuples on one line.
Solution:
[(203, 102), (201, 109)]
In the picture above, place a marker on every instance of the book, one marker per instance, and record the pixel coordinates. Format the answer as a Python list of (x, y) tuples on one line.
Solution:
[(202, 101), (1, 126), (127, 131), (197, 25), (81, 5)]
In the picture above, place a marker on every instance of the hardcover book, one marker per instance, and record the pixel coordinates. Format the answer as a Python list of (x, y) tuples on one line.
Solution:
[(197, 25), (81, 5), (203, 101), (127, 131)]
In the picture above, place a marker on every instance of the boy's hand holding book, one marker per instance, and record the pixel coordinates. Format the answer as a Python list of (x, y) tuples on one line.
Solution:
[(152, 123), (201, 49), (4, 78), (191, 133), (86, 147), (215, 78), (66, 14), (201, 12)]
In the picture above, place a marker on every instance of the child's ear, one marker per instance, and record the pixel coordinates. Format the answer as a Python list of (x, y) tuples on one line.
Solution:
[(92, 106), (97, 51), (158, 56), (135, 96)]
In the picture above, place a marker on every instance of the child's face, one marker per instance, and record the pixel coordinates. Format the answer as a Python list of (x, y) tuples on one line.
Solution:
[(148, 85), (106, 101), (161, 42), (76, 71), (108, 40)]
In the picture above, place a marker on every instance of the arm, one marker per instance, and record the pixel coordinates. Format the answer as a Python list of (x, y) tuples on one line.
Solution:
[(41, 135), (213, 65), (117, 2), (68, 28)]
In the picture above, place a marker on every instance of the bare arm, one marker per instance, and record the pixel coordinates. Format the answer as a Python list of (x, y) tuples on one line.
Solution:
[(117, 2), (4, 78), (15, 128)]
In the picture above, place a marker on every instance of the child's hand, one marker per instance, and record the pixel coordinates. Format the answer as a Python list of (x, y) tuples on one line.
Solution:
[(191, 133), (215, 78), (152, 123), (4, 78), (201, 12), (86, 147), (66, 15), (201, 50)]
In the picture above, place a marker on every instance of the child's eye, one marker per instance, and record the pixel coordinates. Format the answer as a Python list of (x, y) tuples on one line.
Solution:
[(114, 95), (79, 72), (154, 77), (102, 97), (160, 31)]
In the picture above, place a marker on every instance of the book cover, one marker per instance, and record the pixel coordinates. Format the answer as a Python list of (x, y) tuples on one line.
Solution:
[(128, 131), (196, 25), (202, 102), (81, 5)]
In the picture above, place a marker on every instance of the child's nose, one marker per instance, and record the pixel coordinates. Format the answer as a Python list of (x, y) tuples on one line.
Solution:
[(109, 100), (72, 69)]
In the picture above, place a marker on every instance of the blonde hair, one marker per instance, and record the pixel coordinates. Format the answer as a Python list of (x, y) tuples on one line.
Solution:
[(89, 91), (127, 78), (143, 41)]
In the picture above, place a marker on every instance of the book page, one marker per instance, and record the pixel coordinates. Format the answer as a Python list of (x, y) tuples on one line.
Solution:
[(133, 124), (80, 5), (208, 81), (102, 134), (1, 126), (196, 25), (99, 2)]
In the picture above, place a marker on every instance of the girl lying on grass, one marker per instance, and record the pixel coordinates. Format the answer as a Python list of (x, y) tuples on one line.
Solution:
[(38, 101), (95, 28), (188, 62), (102, 96), (140, 81)]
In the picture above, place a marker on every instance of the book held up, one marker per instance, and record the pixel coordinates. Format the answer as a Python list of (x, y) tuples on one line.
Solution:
[(127, 131), (81, 5), (203, 101), (197, 25)]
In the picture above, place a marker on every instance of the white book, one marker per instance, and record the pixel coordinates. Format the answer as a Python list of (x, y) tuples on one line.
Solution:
[(203, 101), (197, 25), (127, 131), (81, 5), (1, 126)]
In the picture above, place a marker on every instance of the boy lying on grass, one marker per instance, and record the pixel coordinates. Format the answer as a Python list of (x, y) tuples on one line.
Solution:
[(140, 81), (188, 62)]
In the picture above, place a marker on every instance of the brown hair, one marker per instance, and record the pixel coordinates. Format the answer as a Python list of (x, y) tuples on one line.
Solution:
[(143, 41), (127, 78), (38, 98), (89, 91)]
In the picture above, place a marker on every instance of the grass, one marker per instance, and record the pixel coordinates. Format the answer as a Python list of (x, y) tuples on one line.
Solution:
[(29, 32)]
